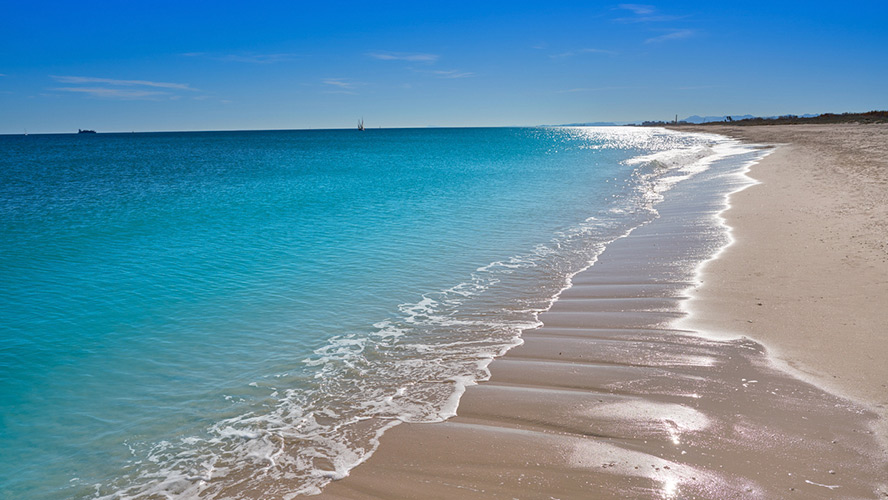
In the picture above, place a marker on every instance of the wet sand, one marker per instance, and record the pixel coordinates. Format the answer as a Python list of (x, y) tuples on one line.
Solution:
[(610, 399)]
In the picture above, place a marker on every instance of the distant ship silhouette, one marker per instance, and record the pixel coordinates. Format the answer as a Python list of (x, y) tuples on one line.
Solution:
[(361, 125), (79, 131)]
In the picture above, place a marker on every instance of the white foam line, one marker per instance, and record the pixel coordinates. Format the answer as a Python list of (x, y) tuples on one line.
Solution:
[(685, 322)]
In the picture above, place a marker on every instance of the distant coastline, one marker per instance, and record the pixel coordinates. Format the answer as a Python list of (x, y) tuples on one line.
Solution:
[(823, 119)]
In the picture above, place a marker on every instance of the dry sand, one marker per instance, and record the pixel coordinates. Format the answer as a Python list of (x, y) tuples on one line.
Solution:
[(610, 400)]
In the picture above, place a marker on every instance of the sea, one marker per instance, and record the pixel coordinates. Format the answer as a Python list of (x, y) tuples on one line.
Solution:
[(244, 314)]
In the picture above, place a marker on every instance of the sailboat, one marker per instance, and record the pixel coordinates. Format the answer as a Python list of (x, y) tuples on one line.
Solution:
[(361, 125)]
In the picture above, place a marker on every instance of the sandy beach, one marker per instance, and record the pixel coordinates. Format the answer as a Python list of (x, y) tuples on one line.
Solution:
[(808, 273), (774, 386)]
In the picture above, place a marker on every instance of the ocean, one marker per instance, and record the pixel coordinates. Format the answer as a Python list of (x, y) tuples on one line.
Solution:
[(216, 314)]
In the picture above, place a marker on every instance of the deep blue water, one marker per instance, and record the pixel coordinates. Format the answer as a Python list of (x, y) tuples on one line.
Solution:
[(183, 312)]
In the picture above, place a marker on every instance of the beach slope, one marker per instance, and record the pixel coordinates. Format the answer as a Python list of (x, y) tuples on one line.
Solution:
[(623, 394), (807, 274)]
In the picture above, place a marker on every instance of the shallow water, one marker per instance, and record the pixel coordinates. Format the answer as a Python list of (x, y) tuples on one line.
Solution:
[(188, 313)]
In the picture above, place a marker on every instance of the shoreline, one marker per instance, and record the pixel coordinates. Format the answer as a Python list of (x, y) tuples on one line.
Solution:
[(816, 221), (626, 397)]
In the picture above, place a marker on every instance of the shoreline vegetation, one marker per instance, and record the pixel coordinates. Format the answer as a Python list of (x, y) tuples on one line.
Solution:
[(823, 119)]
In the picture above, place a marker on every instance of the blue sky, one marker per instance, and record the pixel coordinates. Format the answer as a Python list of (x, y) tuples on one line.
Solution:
[(142, 66)]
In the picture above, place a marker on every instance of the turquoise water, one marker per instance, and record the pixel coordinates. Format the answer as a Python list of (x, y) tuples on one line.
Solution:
[(183, 313)]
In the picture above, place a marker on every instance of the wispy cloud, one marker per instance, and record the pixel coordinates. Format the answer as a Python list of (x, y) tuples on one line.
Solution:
[(258, 58), (638, 9), (339, 82), (247, 57), (595, 89), (340, 86), (114, 93), (672, 35), (644, 14), (124, 83), (572, 53), (403, 56), (650, 14), (1, 74), (453, 73), (112, 88)]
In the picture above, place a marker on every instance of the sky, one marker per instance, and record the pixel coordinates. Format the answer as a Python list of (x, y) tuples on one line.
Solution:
[(223, 65)]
